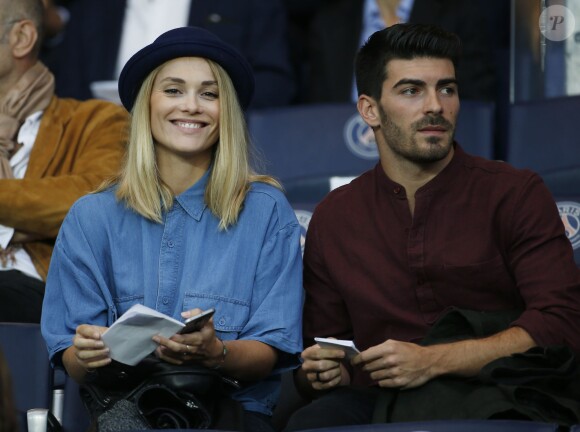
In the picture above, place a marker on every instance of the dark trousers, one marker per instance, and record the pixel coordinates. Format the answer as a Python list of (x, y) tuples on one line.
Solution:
[(340, 407), (257, 422), (20, 297)]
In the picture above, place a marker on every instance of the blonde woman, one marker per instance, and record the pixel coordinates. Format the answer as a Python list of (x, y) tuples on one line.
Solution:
[(186, 227)]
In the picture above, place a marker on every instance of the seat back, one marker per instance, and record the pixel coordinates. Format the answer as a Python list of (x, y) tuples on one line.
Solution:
[(325, 140), (542, 136), (565, 187), (27, 357), (75, 416), (475, 130), (313, 140)]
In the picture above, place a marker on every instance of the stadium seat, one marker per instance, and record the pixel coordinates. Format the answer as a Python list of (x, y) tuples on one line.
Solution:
[(475, 130), (312, 140), (565, 187), (449, 426), (75, 416), (542, 136), (307, 145), (26, 355)]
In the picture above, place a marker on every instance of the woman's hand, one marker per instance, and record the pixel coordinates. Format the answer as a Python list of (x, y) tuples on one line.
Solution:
[(87, 352), (199, 346)]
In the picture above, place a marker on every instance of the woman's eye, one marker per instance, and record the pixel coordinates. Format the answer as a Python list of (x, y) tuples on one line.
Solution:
[(210, 95), (171, 91)]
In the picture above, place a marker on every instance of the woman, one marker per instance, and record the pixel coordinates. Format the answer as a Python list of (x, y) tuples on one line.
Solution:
[(186, 227)]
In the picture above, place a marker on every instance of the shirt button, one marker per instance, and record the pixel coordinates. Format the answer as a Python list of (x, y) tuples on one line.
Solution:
[(170, 244), (222, 321), (165, 300), (397, 190)]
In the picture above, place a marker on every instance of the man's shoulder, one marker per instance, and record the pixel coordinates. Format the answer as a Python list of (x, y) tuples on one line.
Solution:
[(73, 107), (351, 195), (497, 170)]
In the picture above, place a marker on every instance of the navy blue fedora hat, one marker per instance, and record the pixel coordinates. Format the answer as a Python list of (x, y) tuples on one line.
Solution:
[(186, 42)]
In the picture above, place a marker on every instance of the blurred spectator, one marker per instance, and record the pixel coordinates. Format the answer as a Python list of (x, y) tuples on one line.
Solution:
[(52, 151), (102, 35), (8, 420), (55, 17), (337, 28)]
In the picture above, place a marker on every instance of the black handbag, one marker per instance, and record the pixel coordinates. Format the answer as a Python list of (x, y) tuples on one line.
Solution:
[(158, 395)]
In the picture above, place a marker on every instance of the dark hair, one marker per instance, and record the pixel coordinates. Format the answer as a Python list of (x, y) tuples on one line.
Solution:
[(400, 41)]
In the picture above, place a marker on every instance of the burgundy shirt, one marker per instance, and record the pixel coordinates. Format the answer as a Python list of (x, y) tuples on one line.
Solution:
[(485, 236)]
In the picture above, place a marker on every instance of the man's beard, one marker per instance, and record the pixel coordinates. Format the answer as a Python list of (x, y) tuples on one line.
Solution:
[(406, 146)]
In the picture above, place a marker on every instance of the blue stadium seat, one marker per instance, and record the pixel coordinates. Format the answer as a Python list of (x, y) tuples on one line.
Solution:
[(449, 426), (75, 416), (313, 140), (306, 145), (542, 135), (565, 187), (26, 355), (475, 130)]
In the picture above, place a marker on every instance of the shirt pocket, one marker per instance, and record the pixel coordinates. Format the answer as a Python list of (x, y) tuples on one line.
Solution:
[(230, 318), (123, 304)]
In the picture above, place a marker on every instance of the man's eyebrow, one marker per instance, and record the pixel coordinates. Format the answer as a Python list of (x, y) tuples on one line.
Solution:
[(406, 81), (446, 81), (420, 83)]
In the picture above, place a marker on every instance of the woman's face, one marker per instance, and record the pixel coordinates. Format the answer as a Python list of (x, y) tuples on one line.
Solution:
[(185, 111)]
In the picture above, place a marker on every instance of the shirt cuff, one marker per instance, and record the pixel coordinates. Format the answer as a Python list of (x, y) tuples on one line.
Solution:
[(6, 234)]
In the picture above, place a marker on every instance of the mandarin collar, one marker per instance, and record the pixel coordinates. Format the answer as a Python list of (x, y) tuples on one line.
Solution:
[(192, 200), (439, 181)]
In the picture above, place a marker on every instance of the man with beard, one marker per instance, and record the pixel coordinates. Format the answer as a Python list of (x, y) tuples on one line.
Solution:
[(436, 264)]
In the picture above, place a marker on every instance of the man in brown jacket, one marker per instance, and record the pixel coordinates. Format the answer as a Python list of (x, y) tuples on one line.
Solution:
[(52, 151)]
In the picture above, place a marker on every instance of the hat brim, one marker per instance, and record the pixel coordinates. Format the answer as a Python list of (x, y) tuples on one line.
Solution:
[(185, 42)]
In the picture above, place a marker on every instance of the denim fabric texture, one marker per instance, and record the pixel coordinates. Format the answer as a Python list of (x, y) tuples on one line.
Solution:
[(108, 258)]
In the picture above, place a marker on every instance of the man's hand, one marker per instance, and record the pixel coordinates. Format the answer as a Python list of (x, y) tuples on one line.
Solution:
[(407, 365), (398, 364), (323, 368)]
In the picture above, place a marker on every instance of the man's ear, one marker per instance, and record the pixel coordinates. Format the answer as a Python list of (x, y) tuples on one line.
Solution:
[(368, 110), (23, 37)]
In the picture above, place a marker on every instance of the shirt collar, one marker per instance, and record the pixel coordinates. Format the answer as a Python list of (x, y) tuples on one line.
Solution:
[(193, 199), (440, 180)]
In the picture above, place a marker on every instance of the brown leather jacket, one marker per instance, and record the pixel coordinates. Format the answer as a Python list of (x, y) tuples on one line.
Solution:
[(79, 144)]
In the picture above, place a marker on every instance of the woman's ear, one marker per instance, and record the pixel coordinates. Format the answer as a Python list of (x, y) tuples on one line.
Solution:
[(368, 110), (23, 37)]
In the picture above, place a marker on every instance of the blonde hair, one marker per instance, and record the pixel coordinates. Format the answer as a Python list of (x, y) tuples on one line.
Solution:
[(139, 184)]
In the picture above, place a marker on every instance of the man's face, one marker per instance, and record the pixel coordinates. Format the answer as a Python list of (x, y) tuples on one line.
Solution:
[(418, 109)]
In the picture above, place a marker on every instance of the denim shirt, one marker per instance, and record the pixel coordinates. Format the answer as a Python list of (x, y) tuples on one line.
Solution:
[(108, 258)]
